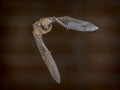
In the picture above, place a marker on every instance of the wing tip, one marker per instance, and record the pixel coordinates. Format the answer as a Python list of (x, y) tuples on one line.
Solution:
[(57, 79), (94, 28)]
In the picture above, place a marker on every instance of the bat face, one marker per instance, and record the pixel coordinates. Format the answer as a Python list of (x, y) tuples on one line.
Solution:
[(46, 23), (43, 26)]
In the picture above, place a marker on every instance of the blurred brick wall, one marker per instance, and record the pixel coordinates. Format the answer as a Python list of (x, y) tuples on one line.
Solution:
[(87, 61)]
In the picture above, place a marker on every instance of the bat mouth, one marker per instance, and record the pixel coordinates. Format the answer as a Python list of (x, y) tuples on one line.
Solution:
[(46, 28)]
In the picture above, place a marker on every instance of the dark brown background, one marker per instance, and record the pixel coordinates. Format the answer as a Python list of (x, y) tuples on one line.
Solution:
[(87, 61)]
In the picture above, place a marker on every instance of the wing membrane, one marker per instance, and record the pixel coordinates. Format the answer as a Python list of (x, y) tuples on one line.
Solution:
[(47, 57), (76, 24)]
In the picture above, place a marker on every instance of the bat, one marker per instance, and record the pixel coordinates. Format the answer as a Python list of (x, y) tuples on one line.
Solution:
[(44, 25)]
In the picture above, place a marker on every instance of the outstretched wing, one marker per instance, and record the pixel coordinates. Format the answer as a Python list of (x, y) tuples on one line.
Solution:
[(75, 24), (47, 57)]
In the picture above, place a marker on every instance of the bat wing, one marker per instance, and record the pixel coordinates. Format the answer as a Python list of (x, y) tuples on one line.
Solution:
[(75, 24), (47, 57)]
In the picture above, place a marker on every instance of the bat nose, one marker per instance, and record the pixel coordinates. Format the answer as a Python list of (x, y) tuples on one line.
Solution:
[(46, 28)]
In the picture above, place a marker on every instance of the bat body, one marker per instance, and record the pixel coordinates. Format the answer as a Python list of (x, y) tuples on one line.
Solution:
[(44, 26)]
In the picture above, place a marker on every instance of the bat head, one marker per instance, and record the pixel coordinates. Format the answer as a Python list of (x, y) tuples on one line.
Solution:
[(45, 23), (43, 26)]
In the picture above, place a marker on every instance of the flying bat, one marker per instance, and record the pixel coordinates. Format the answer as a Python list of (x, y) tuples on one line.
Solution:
[(44, 25)]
